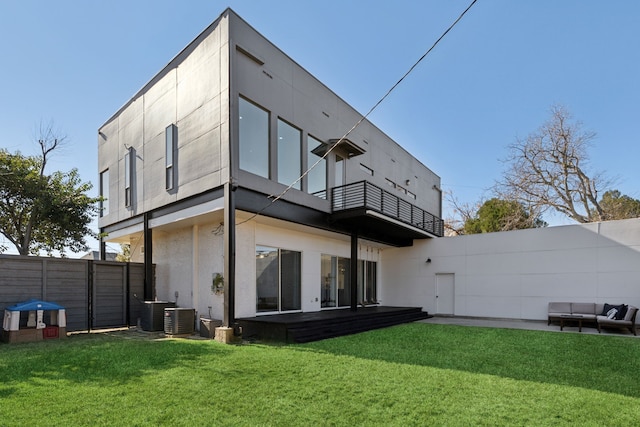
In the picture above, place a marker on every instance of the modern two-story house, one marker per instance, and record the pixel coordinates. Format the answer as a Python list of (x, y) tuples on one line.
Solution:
[(234, 162)]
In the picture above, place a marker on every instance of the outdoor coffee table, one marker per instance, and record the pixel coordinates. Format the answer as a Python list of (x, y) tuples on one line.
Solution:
[(571, 317)]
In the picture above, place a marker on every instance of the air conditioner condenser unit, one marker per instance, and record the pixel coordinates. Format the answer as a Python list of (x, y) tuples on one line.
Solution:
[(179, 321)]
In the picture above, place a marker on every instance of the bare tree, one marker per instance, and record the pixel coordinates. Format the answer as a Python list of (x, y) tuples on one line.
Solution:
[(549, 170), (48, 139), (462, 213), (40, 211)]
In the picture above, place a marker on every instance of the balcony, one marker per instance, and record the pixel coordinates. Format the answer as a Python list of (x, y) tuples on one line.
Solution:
[(374, 210)]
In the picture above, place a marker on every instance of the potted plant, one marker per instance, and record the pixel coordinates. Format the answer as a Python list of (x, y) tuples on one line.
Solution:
[(217, 285)]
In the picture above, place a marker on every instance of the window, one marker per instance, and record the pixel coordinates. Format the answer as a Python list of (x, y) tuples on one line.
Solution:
[(253, 131), (367, 277), (289, 167), (390, 183), (335, 281), (366, 169), (104, 193), (129, 160), (317, 177), (328, 269), (278, 280), (411, 195), (339, 172), (170, 139)]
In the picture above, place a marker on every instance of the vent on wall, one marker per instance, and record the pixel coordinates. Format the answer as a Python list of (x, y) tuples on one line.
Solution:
[(251, 56)]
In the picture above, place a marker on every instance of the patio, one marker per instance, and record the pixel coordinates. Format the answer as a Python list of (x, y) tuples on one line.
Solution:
[(533, 325), (314, 326)]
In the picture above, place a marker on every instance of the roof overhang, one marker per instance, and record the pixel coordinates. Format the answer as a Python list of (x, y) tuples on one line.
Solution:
[(343, 144), (379, 227)]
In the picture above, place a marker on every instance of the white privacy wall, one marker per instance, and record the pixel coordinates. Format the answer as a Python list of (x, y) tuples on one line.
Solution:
[(515, 274)]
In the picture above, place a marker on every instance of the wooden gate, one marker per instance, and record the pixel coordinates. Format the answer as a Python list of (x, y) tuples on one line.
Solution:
[(116, 294)]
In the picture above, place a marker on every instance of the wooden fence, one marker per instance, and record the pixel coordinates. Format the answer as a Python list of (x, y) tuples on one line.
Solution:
[(95, 294)]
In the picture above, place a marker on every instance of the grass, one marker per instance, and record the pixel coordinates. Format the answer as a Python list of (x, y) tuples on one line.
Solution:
[(416, 374)]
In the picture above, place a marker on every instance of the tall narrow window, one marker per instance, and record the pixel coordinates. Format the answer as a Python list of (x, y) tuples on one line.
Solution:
[(328, 270), (339, 198), (104, 193), (128, 168), (371, 282), (344, 282), (288, 154), (367, 280), (317, 177), (253, 128), (170, 137), (339, 172)]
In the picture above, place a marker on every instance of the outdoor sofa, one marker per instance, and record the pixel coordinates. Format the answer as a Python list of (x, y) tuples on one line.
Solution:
[(604, 315)]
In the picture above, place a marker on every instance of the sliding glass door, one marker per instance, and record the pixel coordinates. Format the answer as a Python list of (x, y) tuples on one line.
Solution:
[(278, 280), (335, 281)]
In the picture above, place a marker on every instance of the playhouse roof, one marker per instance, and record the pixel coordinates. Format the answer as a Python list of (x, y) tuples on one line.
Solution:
[(34, 304)]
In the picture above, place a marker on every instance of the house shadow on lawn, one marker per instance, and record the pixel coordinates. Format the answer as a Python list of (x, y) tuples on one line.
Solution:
[(98, 358), (604, 363)]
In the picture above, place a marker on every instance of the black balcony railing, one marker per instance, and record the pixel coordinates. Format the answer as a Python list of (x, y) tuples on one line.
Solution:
[(369, 196)]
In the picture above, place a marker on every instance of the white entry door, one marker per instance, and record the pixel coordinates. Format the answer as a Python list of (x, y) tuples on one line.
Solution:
[(445, 283)]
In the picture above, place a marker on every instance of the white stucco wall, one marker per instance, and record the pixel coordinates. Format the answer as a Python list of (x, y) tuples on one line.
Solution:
[(515, 274), (186, 259), (280, 234)]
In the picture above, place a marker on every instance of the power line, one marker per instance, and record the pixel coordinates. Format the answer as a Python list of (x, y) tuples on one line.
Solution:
[(363, 118)]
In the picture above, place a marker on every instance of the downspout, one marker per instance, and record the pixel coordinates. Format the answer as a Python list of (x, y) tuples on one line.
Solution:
[(148, 260)]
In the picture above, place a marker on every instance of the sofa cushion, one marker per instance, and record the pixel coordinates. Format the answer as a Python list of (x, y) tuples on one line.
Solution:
[(583, 308), (630, 312), (559, 307), (604, 320)]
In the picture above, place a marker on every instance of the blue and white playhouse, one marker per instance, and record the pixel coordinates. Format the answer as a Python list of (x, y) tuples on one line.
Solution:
[(34, 320)]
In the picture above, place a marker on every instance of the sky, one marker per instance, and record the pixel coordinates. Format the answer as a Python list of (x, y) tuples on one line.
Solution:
[(491, 80)]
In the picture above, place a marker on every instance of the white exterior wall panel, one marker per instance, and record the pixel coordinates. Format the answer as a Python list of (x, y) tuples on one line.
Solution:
[(290, 92), (516, 274), (192, 93)]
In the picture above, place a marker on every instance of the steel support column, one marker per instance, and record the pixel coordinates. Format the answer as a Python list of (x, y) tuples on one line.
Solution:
[(229, 255), (353, 282)]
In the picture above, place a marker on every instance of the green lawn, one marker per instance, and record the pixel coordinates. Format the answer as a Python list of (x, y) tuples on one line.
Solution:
[(416, 374)]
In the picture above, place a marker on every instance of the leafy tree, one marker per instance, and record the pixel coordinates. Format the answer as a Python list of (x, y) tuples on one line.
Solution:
[(501, 215), (549, 170), (618, 206), (125, 253), (40, 212)]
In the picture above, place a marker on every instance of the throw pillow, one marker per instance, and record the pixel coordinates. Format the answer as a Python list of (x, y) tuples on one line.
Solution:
[(606, 309), (612, 313), (622, 311)]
